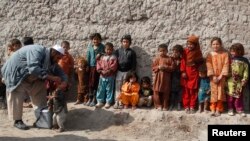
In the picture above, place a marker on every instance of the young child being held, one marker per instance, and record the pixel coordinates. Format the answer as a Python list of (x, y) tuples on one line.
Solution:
[(146, 92), (237, 81), (57, 102), (130, 91), (204, 89)]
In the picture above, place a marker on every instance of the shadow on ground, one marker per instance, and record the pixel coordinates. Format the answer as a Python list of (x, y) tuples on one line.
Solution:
[(95, 120), (55, 138)]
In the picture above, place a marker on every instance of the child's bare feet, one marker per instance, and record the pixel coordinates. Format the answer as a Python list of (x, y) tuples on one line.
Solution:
[(133, 107), (125, 106)]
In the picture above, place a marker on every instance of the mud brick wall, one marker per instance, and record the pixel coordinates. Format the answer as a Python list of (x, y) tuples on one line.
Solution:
[(150, 22)]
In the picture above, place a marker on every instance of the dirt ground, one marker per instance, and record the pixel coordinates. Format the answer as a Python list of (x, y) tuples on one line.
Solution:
[(87, 123)]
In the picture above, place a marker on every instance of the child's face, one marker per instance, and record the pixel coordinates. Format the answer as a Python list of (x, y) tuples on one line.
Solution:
[(190, 46), (202, 74), (162, 52), (66, 47), (145, 85), (176, 54), (108, 50), (96, 41), (10, 49), (125, 43), (216, 46), (233, 53), (16, 47), (132, 79)]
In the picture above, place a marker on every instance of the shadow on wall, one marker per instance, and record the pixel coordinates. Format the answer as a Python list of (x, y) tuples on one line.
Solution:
[(54, 138), (96, 120), (144, 62)]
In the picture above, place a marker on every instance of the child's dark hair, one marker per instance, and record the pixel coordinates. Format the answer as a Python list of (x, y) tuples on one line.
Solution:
[(203, 67), (179, 48), (146, 80), (13, 42), (238, 48), (66, 43), (216, 39), (95, 35), (164, 46), (127, 37), (131, 74), (109, 44), (28, 41)]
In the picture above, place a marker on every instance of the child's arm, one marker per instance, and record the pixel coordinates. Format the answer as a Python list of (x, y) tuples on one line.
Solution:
[(183, 67), (99, 67), (126, 87), (210, 71), (155, 65), (245, 76), (135, 89), (225, 69), (113, 64), (170, 67)]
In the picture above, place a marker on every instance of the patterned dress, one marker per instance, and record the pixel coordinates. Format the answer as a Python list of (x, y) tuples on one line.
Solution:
[(239, 76)]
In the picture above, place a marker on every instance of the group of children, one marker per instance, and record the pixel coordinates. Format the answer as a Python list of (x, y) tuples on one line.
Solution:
[(180, 79), (183, 78)]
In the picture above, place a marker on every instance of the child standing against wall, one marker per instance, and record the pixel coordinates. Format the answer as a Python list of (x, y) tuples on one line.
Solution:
[(94, 52), (190, 62), (82, 76), (162, 68), (237, 80), (176, 92), (217, 70), (126, 62), (204, 88), (106, 66)]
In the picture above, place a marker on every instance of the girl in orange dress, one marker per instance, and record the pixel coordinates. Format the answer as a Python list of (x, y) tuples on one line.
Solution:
[(217, 70), (130, 91)]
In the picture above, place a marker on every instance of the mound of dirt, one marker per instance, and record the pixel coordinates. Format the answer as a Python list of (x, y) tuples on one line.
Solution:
[(87, 123)]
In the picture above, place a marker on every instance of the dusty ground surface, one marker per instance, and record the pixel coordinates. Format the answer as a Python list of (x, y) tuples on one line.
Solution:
[(87, 123)]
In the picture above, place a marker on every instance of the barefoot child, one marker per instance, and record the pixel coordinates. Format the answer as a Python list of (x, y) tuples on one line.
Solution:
[(204, 88), (162, 67), (81, 71)]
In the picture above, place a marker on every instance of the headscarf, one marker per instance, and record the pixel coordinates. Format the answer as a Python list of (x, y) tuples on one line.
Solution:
[(195, 55)]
